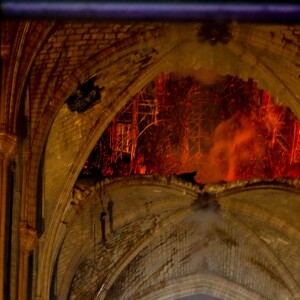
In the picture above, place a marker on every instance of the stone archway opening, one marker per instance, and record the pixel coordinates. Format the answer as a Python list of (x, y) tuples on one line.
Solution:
[(131, 161), (202, 127)]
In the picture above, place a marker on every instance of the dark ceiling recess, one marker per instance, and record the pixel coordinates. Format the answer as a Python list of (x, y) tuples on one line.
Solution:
[(214, 32), (84, 96)]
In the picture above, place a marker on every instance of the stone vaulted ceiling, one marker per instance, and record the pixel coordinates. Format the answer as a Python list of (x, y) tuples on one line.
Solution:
[(166, 244), (159, 245)]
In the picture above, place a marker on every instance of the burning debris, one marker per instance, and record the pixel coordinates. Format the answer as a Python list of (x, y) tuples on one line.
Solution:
[(84, 96), (189, 177), (223, 132)]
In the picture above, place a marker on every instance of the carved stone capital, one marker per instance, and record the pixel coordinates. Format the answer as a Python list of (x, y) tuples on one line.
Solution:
[(8, 144), (28, 238)]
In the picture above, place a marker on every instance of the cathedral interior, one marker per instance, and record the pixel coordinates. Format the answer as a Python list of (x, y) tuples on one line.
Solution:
[(149, 159)]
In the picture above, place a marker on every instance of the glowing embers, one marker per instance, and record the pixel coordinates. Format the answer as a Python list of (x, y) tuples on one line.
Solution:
[(227, 131)]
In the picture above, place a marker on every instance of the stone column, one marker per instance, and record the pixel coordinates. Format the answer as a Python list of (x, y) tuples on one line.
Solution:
[(28, 240), (7, 151)]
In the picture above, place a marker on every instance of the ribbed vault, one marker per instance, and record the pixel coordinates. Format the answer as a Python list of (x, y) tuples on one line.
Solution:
[(163, 246), (164, 238), (125, 58)]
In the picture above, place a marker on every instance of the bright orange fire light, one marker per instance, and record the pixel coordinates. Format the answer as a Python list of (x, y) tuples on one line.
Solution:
[(225, 132)]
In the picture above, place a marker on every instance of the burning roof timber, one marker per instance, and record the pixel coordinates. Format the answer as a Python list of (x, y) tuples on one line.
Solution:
[(225, 131)]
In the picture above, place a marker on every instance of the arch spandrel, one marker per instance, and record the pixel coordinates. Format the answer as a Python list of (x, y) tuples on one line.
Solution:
[(76, 147)]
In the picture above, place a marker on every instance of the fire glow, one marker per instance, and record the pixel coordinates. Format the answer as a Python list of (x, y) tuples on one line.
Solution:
[(226, 131)]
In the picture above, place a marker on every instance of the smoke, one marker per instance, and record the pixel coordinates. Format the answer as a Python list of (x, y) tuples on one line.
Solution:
[(207, 217), (207, 77), (235, 146)]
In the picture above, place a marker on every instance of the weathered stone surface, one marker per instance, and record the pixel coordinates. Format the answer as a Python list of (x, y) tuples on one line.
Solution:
[(43, 63)]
